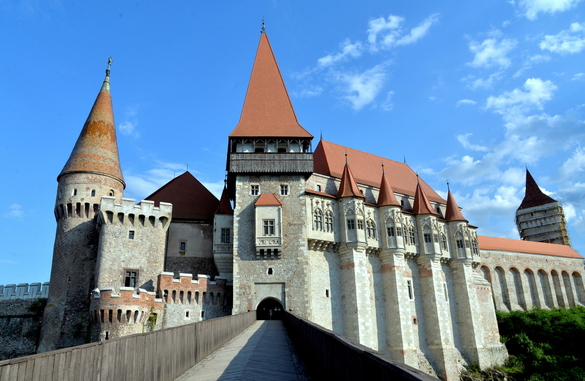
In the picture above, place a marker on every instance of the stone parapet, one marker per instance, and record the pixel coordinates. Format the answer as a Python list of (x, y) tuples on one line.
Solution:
[(129, 213), (24, 291)]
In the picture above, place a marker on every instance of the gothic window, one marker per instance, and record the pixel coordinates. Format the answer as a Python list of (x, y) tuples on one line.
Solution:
[(398, 231), (391, 231), (360, 224), (268, 226), (444, 241), (328, 221), (474, 247), (318, 219), (130, 278), (411, 236), (371, 229), (284, 189), (254, 189), (351, 224), (225, 235)]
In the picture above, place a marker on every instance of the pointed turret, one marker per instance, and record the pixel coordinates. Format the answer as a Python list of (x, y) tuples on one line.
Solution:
[(386, 196), (533, 195), (421, 202), (224, 207), (96, 150), (348, 186), (453, 212), (267, 111)]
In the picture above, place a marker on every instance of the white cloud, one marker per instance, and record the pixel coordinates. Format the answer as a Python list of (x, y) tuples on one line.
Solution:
[(536, 91), (432, 98), (389, 33), (480, 83), (388, 104), (464, 140), (573, 165), (128, 126), (567, 41), (578, 77), (466, 102), (491, 52), (142, 185), (533, 7), (8, 261), (361, 88), (15, 211), (348, 49)]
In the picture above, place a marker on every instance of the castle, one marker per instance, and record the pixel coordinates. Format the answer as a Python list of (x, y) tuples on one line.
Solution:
[(354, 242)]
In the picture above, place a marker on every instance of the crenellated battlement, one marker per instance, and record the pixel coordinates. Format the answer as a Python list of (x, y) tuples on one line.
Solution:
[(128, 305), (187, 290), (131, 214), (24, 291)]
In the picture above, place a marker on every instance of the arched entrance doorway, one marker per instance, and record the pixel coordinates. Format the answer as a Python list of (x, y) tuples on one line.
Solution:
[(269, 309)]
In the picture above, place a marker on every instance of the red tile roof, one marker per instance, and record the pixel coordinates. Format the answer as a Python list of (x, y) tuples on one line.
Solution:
[(96, 150), (421, 203), (267, 199), (190, 199), (329, 160), (267, 110), (453, 212), (348, 186), (529, 247), (386, 196), (224, 207), (533, 195)]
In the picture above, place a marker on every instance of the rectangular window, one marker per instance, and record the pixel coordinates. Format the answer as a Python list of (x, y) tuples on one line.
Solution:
[(391, 232), (131, 234), (460, 244), (225, 235), (361, 224), (319, 188), (255, 189), (350, 224), (410, 290), (284, 189), (130, 278), (268, 226), (399, 231), (182, 246), (427, 237)]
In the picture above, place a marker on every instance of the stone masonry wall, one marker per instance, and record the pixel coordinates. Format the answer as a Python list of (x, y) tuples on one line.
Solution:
[(20, 326)]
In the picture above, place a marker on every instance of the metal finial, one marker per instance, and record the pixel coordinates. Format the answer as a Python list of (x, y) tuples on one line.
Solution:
[(346, 158), (110, 60), (321, 137), (263, 30), (383, 171), (448, 187), (417, 179)]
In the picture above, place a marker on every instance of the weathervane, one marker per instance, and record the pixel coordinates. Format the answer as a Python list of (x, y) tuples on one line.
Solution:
[(263, 30), (110, 60)]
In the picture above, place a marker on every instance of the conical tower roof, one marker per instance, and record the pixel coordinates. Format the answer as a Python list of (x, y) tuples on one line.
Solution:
[(533, 195), (421, 202), (386, 196), (224, 207), (267, 110), (453, 212), (96, 150), (348, 186)]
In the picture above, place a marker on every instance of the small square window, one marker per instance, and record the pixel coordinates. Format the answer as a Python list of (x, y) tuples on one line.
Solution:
[(284, 189), (93, 193), (254, 190), (131, 234), (182, 246)]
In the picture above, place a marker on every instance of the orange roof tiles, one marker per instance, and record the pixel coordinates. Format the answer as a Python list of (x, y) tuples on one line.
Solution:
[(348, 186), (224, 207), (453, 212), (190, 199), (421, 203), (533, 195), (267, 199), (267, 110), (329, 160), (96, 149), (386, 196), (529, 247)]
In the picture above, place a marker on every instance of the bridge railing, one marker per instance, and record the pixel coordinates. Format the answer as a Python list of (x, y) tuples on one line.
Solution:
[(329, 356), (159, 355)]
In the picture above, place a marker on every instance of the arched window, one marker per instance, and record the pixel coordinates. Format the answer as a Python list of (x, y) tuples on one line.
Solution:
[(328, 221), (318, 219), (444, 241), (371, 228)]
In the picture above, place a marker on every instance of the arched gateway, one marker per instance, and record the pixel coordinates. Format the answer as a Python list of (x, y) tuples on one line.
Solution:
[(269, 309)]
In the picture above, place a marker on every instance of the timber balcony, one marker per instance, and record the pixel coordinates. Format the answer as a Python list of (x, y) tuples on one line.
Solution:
[(271, 163)]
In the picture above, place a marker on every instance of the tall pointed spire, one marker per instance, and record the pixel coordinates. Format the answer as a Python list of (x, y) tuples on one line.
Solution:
[(224, 207), (267, 111), (533, 195), (453, 212), (96, 150), (386, 196), (348, 186), (421, 202)]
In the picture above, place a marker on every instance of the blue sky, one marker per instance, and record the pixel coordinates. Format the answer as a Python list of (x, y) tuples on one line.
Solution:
[(471, 92)]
